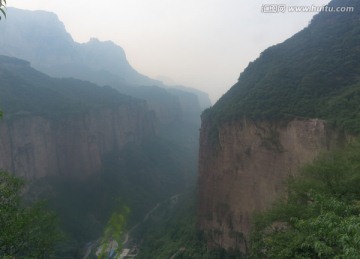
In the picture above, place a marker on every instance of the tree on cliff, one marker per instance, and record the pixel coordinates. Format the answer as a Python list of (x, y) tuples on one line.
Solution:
[(2, 8), (25, 231), (320, 216)]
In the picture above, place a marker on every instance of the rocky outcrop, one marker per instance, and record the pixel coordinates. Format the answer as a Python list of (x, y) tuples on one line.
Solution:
[(73, 145), (245, 172)]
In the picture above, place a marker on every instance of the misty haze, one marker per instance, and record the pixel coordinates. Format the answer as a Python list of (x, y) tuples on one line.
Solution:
[(213, 130)]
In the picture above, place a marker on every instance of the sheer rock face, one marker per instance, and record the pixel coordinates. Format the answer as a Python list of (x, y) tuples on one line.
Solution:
[(73, 146), (246, 171)]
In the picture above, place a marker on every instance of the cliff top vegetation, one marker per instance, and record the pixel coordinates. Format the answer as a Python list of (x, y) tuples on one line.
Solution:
[(314, 74), (320, 216)]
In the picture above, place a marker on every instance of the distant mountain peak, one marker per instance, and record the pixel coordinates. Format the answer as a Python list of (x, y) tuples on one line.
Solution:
[(37, 25)]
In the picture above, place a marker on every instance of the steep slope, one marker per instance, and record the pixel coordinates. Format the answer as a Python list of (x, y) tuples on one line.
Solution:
[(298, 99)]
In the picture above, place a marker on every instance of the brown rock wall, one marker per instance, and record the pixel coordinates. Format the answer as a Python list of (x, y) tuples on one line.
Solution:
[(34, 147), (246, 171)]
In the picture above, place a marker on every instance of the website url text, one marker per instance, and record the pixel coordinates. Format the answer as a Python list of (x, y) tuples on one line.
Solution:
[(283, 8)]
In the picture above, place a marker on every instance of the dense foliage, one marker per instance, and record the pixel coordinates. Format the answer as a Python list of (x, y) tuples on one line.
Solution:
[(27, 231), (114, 231), (314, 74), (319, 218)]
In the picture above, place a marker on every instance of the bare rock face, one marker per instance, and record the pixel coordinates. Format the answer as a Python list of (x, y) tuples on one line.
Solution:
[(245, 172), (74, 146)]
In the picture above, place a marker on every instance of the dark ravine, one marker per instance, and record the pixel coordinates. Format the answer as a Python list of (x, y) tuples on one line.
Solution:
[(109, 138), (88, 150)]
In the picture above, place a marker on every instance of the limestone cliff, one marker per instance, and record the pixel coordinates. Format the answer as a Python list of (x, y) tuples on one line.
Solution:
[(73, 145), (247, 170), (244, 162)]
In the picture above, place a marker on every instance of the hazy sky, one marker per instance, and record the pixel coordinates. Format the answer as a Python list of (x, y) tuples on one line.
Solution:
[(204, 44)]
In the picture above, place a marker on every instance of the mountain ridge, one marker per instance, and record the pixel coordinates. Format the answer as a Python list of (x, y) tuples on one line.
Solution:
[(42, 39), (280, 83), (51, 50)]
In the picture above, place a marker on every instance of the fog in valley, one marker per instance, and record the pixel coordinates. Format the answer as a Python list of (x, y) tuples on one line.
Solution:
[(183, 129)]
